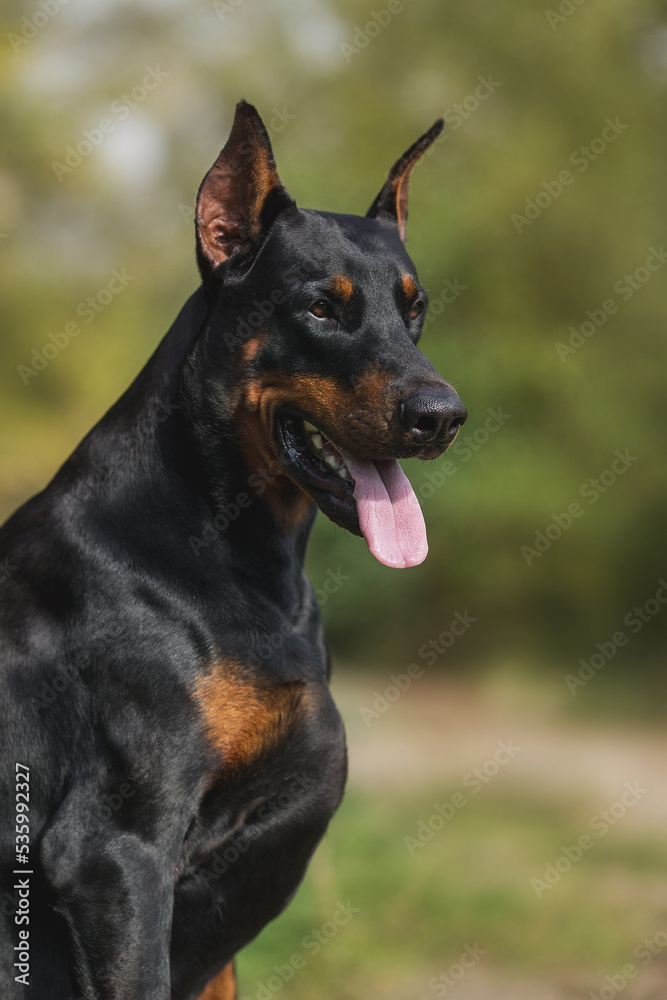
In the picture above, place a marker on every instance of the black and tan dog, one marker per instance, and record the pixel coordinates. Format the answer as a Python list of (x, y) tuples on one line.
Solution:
[(171, 753)]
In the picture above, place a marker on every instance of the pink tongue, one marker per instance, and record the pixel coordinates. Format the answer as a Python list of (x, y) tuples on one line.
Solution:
[(389, 513)]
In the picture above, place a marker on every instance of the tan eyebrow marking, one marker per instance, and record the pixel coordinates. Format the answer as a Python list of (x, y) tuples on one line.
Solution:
[(222, 987), (410, 286), (342, 286)]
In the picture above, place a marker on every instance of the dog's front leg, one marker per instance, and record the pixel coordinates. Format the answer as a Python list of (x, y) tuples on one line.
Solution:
[(115, 890)]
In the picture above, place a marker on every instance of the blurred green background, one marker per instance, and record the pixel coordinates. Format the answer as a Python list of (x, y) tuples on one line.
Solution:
[(536, 226)]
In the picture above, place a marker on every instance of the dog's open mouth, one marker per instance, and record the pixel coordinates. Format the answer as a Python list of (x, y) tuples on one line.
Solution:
[(369, 497)]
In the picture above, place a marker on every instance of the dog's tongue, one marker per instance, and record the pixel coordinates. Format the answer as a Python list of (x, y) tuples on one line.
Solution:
[(389, 513)]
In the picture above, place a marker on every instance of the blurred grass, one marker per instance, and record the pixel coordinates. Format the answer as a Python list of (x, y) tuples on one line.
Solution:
[(470, 883), (129, 205)]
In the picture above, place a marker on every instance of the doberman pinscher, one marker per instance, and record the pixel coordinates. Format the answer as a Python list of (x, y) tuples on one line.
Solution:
[(171, 752)]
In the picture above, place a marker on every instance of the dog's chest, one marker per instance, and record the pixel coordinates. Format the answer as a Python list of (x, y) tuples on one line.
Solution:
[(243, 716), (276, 756), (274, 776)]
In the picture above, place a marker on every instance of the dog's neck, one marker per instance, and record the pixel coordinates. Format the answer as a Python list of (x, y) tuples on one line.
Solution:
[(152, 444)]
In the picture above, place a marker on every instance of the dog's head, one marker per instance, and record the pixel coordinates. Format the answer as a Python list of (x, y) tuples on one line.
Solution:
[(314, 320)]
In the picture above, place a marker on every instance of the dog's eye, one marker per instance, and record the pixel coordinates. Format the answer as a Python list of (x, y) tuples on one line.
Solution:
[(321, 309), (417, 310)]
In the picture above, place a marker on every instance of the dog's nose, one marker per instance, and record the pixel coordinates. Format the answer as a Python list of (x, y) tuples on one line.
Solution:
[(432, 415)]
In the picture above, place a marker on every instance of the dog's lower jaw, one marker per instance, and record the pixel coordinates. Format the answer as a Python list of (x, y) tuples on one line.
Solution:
[(342, 512)]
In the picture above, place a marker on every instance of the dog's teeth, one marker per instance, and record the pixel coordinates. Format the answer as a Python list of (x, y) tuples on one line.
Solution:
[(318, 443)]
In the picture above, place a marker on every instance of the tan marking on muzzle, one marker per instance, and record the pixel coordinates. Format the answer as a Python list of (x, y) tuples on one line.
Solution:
[(251, 348), (356, 419)]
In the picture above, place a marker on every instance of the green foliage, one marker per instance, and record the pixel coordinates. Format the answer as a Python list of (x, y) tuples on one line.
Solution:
[(340, 118), (470, 883)]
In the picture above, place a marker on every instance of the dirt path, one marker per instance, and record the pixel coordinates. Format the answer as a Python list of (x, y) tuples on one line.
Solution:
[(437, 731)]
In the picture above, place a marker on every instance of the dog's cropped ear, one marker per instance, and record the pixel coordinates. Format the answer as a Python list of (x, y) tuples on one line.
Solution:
[(241, 195), (392, 201)]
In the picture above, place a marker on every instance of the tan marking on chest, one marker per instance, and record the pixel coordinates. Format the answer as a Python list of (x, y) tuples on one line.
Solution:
[(242, 718)]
